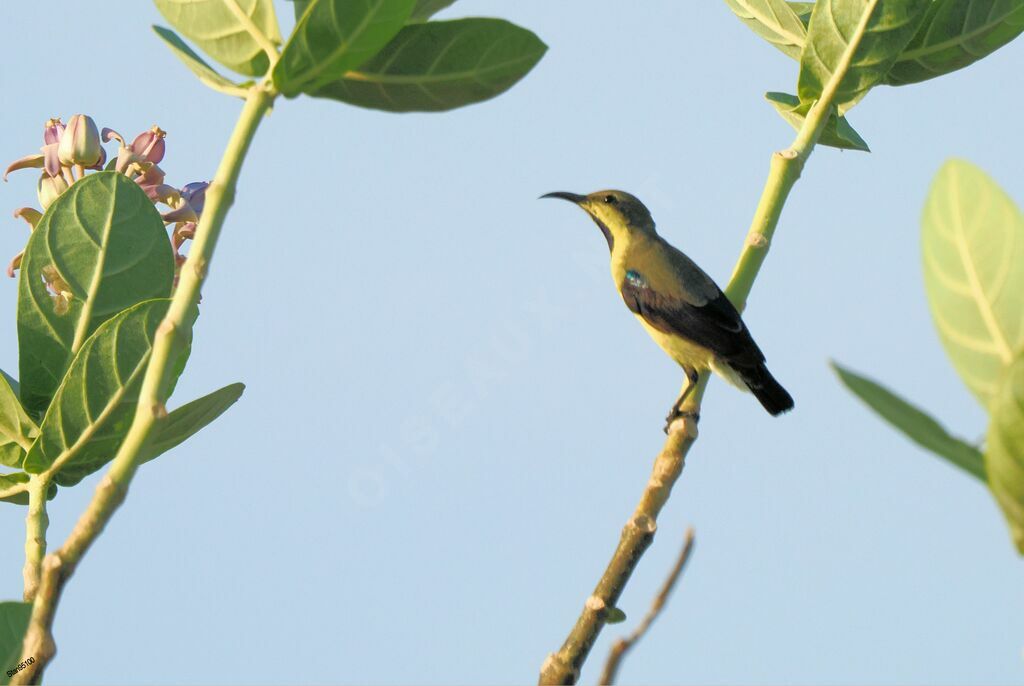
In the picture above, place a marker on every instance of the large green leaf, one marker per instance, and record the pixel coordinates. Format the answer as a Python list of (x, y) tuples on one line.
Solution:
[(954, 34), (869, 34), (335, 36), (108, 243), (838, 133), (441, 65), (196, 64), (190, 418), (17, 430), (973, 247), (915, 424), (300, 7), (775, 21), (14, 618), (425, 9), (1004, 450), (94, 406), (221, 28)]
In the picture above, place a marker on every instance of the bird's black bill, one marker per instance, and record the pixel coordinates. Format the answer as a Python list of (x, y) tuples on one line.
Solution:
[(564, 195)]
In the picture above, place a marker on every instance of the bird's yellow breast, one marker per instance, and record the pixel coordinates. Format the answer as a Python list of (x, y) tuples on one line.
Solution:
[(684, 352), (645, 254)]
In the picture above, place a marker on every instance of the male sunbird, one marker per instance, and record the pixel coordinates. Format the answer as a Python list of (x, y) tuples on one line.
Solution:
[(681, 307)]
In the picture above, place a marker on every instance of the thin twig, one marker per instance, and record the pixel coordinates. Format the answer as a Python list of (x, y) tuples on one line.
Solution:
[(623, 645)]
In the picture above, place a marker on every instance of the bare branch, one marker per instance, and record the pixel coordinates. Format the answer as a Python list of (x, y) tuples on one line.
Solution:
[(623, 645)]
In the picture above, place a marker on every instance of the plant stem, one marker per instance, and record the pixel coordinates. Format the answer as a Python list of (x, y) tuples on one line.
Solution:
[(36, 523), (171, 337), (564, 666), (623, 645)]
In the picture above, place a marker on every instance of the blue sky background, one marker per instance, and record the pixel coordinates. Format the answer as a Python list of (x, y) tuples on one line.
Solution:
[(450, 414)]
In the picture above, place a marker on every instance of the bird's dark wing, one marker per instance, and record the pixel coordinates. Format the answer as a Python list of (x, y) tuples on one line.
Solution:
[(715, 324)]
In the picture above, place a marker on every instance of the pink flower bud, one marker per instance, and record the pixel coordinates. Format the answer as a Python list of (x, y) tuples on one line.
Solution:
[(53, 129), (149, 145), (80, 142)]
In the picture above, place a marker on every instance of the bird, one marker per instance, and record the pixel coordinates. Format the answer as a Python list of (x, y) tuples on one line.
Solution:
[(679, 305)]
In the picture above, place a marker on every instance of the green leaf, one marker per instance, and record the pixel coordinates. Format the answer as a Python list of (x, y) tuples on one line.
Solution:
[(14, 488), (803, 11), (93, 408), (206, 74), (441, 65), (14, 618), (335, 36), (107, 241), (214, 27), (615, 616), (870, 34), (973, 248), (954, 34), (837, 133), (300, 7), (1004, 451), (775, 21), (915, 424), (190, 418), (12, 382), (17, 430), (425, 9)]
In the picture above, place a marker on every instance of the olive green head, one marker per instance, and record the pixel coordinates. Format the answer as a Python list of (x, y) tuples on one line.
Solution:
[(617, 213)]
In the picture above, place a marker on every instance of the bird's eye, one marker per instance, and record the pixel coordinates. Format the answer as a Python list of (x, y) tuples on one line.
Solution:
[(610, 199)]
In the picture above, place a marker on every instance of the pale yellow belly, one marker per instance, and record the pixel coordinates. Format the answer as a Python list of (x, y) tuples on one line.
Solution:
[(689, 354)]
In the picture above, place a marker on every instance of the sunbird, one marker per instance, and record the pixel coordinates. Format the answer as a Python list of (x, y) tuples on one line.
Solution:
[(679, 305)]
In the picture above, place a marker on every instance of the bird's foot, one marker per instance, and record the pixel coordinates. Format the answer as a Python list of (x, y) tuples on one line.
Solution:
[(676, 413)]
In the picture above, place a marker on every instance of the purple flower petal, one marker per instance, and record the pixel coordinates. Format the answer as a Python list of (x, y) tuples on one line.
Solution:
[(195, 195), (51, 160), (52, 131)]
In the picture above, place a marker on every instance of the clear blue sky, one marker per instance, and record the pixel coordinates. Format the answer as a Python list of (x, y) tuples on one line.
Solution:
[(450, 414)]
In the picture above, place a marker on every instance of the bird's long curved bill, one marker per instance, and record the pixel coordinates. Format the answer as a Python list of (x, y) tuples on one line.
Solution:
[(565, 195)]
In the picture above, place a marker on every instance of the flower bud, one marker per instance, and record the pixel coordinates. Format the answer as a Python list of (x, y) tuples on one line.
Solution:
[(53, 129), (80, 142), (149, 145), (101, 162), (49, 188)]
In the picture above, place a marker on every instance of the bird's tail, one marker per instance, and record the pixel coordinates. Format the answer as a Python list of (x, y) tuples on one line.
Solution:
[(766, 389)]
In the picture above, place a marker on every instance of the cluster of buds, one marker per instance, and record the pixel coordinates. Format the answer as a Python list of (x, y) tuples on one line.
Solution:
[(69, 151)]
